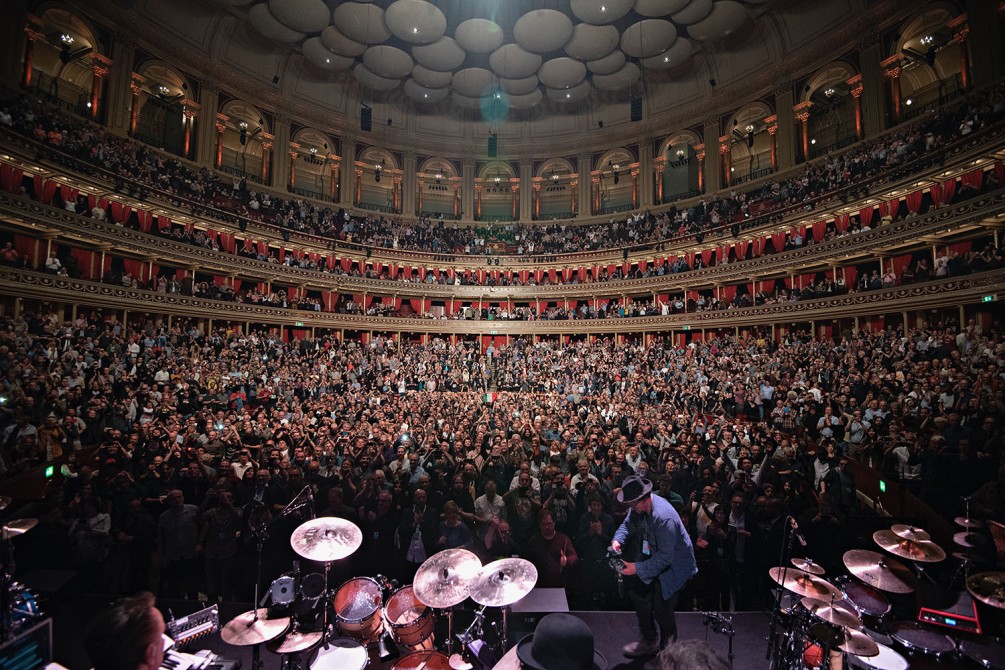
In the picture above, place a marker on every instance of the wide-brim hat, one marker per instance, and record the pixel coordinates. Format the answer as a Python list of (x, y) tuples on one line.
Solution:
[(560, 642), (633, 489)]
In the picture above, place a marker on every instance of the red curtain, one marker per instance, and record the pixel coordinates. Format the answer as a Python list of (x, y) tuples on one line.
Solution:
[(68, 193), (330, 299), (961, 247), (163, 222), (346, 264), (900, 263), (974, 178), (884, 208), (146, 220), (720, 255), (948, 191), (728, 293), (25, 247), (416, 304), (706, 257), (741, 250), (136, 269), (392, 271), (1000, 172), (11, 178), (850, 274), (282, 254), (913, 200), (819, 229), (642, 266), (768, 286), (894, 207), (263, 249), (120, 212), (582, 274), (45, 190), (778, 241), (84, 259), (865, 216)]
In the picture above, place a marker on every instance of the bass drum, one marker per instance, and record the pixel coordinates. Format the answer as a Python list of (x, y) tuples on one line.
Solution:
[(341, 653), (887, 659), (422, 660)]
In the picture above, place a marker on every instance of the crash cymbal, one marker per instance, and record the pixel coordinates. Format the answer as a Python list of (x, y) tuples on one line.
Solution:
[(326, 538), (909, 532), (967, 522), (804, 584), (853, 642), (294, 642), (243, 630), (922, 552), (444, 579), (503, 582), (831, 613), (989, 588), (807, 565), (968, 540), (878, 571), (19, 527)]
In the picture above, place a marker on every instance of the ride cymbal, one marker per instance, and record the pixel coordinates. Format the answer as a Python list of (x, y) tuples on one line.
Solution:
[(989, 588), (244, 630), (909, 532), (878, 571), (444, 579), (807, 565), (326, 538), (921, 552)]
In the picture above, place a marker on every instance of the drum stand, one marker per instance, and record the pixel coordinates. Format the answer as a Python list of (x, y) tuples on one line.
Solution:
[(260, 535), (775, 651)]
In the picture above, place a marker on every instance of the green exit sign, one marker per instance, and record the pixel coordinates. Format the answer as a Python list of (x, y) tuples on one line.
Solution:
[(299, 324), (493, 332), (882, 486), (989, 298), (50, 471), (687, 327)]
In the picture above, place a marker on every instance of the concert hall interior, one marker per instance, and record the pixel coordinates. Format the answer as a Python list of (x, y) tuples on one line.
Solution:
[(479, 334)]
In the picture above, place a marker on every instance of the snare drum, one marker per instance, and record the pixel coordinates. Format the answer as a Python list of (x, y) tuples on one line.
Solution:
[(887, 659), (283, 590), (341, 654), (357, 608), (914, 638), (409, 620), (986, 653), (24, 609), (426, 660), (866, 600)]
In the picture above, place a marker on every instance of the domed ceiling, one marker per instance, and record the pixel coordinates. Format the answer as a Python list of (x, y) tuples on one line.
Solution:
[(512, 53)]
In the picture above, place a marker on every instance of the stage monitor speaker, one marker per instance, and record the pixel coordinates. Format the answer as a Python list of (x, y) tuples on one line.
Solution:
[(366, 119), (493, 147), (636, 108)]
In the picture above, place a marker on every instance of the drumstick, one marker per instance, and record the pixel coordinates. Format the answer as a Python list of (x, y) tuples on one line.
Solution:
[(424, 661)]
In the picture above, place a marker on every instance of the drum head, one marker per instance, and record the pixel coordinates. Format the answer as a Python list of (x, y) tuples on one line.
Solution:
[(357, 599), (887, 659), (312, 586), (341, 653), (283, 590), (988, 653), (403, 607), (916, 638), (426, 660)]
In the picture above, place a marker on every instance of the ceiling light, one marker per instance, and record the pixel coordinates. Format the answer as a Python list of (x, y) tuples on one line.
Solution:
[(750, 127), (425, 95), (439, 176), (314, 151), (243, 125), (554, 177), (680, 153), (732, 169), (568, 95), (830, 92), (163, 90), (415, 30), (666, 59), (603, 8), (909, 101), (813, 141), (498, 180), (66, 38), (927, 39), (328, 60)]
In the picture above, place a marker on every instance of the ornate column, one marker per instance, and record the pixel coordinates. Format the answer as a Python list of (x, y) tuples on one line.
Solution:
[(347, 171), (802, 115), (659, 165), (572, 200), (537, 199), (726, 159), (358, 198), (583, 164), (515, 186), (635, 188), (409, 185), (856, 97), (892, 72), (32, 32), (206, 137), (136, 87), (772, 122), (478, 201), (645, 194), (279, 169), (467, 190), (595, 192), (189, 110), (713, 168), (117, 107), (457, 199), (418, 206), (873, 86), (526, 176), (785, 138), (266, 140), (699, 155), (334, 164), (221, 128), (293, 153), (396, 194), (100, 67)]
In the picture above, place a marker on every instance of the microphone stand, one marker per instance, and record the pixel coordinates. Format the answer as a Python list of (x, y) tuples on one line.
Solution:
[(788, 537)]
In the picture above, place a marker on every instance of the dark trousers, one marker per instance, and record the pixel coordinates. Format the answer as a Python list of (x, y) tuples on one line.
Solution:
[(651, 608)]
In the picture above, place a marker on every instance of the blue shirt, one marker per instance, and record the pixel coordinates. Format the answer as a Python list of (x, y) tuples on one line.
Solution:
[(672, 560)]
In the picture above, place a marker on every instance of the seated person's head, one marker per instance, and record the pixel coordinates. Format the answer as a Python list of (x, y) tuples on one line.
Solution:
[(127, 636)]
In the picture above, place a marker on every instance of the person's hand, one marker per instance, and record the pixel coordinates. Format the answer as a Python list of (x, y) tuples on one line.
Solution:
[(702, 543), (562, 558), (629, 569), (616, 546), (596, 528), (443, 541)]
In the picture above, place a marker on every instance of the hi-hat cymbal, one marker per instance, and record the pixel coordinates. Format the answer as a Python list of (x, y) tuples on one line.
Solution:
[(444, 579), (967, 522), (831, 613), (294, 642), (19, 527), (804, 584), (988, 587), (244, 630), (968, 540), (326, 538), (847, 640), (503, 582), (922, 552), (878, 571), (909, 532), (807, 565)]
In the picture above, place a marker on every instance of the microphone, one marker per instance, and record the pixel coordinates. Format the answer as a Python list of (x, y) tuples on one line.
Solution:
[(798, 533)]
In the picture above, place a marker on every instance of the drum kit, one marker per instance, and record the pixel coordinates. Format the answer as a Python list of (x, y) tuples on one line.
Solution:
[(19, 609), (367, 619), (845, 621)]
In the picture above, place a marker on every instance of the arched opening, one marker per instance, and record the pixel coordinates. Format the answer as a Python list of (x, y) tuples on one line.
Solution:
[(932, 59), (160, 117), (750, 149), (378, 181), (440, 185), (242, 152), (555, 187), (62, 61), (679, 177), (617, 185), (497, 192), (831, 124), (313, 172)]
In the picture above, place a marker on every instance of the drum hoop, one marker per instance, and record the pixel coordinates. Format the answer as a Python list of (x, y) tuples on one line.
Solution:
[(422, 614), (370, 615), (915, 646)]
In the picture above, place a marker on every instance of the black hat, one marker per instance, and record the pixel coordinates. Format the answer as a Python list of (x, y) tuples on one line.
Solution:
[(560, 642), (633, 489)]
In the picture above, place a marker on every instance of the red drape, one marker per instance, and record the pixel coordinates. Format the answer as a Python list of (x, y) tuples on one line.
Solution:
[(819, 229), (728, 293), (884, 208), (768, 285), (120, 212), (948, 191), (720, 255), (961, 247), (706, 257), (581, 271), (163, 222), (974, 178), (865, 216), (894, 207), (642, 266), (850, 274), (25, 247), (136, 269), (263, 248), (45, 189), (68, 193), (741, 250), (416, 304), (900, 263), (11, 178), (778, 242), (84, 259), (913, 200), (146, 220)]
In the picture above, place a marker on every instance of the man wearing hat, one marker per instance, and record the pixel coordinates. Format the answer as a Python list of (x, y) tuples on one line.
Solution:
[(659, 561)]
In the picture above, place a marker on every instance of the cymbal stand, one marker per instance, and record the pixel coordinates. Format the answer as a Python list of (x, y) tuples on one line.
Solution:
[(450, 630), (774, 641), (476, 626), (6, 583), (329, 602), (261, 534)]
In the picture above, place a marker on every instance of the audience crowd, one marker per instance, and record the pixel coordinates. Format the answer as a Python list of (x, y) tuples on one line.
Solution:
[(176, 445), (140, 171)]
